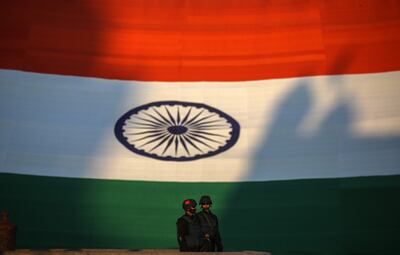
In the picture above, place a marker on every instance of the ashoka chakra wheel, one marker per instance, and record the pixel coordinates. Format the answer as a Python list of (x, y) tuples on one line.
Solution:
[(178, 131)]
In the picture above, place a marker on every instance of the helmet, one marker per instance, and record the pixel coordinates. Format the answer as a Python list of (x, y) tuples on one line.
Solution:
[(187, 203), (205, 200)]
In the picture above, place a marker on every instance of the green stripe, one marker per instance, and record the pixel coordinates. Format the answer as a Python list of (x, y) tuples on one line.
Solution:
[(318, 216)]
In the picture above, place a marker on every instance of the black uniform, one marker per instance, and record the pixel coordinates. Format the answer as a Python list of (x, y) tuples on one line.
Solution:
[(211, 238), (188, 233)]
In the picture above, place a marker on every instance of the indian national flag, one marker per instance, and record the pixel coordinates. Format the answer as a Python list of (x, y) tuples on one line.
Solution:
[(286, 113)]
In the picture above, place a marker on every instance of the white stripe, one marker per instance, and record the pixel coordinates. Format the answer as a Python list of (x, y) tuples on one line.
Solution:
[(312, 127)]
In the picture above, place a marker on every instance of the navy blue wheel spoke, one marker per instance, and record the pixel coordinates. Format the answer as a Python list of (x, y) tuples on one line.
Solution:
[(146, 132), (170, 117), (186, 116), (184, 144), (168, 144), (193, 119), (204, 137), (143, 125), (205, 122), (178, 117), (150, 136), (155, 140), (200, 120), (209, 127), (199, 141), (207, 133), (153, 122), (191, 143), (165, 119), (161, 142), (155, 118), (176, 144)]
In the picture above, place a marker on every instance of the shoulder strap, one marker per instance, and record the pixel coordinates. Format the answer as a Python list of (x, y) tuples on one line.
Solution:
[(207, 219)]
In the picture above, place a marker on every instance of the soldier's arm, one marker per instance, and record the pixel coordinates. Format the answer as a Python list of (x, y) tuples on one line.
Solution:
[(218, 241), (181, 232)]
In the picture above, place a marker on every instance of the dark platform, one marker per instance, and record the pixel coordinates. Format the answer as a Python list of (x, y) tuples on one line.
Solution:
[(120, 252)]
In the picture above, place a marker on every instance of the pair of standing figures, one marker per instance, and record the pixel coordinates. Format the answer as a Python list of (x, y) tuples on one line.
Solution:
[(198, 232)]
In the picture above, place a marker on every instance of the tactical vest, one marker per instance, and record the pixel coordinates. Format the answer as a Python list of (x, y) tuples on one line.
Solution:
[(194, 233), (208, 223)]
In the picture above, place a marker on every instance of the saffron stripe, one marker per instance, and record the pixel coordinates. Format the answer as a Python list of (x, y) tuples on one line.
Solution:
[(195, 41)]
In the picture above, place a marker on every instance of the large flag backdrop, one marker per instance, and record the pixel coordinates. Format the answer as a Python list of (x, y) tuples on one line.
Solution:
[(286, 113)]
